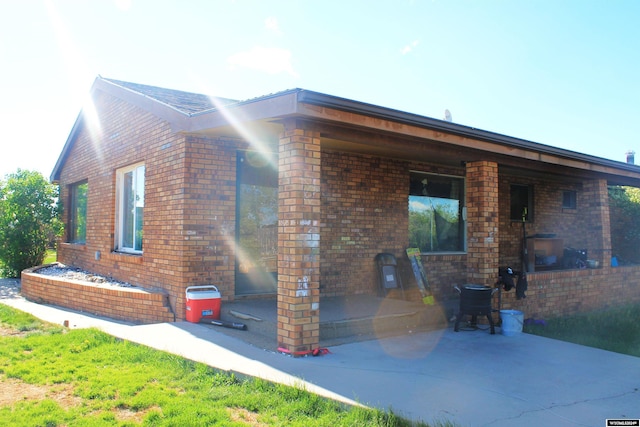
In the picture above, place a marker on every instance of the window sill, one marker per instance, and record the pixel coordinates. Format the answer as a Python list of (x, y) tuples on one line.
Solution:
[(126, 257), (442, 253), (74, 246)]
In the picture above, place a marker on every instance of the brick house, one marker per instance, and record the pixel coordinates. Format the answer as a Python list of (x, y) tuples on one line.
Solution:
[(293, 194)]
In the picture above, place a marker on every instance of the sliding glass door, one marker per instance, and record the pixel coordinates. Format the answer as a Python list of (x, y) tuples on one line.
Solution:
[(257, 224)]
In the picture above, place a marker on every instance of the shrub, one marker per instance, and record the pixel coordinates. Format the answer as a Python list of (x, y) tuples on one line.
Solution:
[(624, 204), (28, 217)]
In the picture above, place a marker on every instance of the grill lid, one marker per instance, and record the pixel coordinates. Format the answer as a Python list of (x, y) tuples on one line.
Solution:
[(476, 288)]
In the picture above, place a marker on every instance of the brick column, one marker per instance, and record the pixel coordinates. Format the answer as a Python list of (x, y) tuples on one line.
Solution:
[(299, 240), (596, 197), (482, 222)]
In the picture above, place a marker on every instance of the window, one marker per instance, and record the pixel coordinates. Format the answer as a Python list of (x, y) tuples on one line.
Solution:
[(521, 203), (436, 207), (569, 199), (130, 207), (77, 227)]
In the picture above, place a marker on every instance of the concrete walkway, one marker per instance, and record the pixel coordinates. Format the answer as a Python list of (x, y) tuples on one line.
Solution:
[(468, 378)]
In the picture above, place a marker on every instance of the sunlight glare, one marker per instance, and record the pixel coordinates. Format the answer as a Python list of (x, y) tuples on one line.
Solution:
[(123, 5), (271, 60), (77, 73), (76, 69), (237, 122), (92, 122)]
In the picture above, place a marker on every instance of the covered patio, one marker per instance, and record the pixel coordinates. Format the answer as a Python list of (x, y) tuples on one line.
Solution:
[(344, 181), (342, 320)]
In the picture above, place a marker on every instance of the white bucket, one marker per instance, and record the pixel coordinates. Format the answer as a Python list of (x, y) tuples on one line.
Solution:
[(511, 322)]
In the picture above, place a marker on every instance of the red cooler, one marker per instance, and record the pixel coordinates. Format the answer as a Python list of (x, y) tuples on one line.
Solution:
[(203, 302)]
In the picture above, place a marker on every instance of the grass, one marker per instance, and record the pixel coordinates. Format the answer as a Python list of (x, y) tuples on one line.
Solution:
[(84, 377), (614, 329), (51, 256)]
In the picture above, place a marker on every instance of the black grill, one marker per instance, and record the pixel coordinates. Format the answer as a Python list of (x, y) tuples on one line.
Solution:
[(475, 300)]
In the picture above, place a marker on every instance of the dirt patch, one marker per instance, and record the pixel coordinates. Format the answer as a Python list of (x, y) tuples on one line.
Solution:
[(241, 415), (13, 391), (125, 414), (6, 331)]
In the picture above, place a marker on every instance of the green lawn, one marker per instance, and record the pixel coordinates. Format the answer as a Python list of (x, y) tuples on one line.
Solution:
[(51, 256), (52, 376), (615, 329), (84, 377)]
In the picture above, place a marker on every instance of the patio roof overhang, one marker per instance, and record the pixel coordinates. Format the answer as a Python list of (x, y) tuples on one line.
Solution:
[(353, 126)]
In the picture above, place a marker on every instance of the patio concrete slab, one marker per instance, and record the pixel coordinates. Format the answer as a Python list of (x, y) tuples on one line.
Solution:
[(342, 319), (470, 378)]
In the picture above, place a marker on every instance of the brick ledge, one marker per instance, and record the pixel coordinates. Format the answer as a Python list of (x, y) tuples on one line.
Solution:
[(135, 305)]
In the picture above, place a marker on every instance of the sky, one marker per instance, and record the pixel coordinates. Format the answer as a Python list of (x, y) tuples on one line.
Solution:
[(558, 72)]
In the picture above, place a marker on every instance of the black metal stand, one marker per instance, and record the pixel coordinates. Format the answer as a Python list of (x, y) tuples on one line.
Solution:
[(475, 301), (474, 320)]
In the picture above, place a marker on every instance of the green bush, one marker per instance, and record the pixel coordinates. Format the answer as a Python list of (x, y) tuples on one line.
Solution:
[(624, 205), (28, 218)]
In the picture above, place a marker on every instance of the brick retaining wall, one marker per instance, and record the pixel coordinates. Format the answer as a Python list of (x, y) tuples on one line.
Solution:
[(560, 293), (550, 294), (130, 304)]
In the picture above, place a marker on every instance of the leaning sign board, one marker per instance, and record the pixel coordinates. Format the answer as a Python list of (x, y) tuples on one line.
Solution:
[(421, 276)]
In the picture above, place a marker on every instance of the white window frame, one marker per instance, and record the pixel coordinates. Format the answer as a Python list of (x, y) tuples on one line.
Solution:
[(121, 244)]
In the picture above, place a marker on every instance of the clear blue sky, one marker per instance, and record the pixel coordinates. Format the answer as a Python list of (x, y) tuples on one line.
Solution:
[(559, 72)]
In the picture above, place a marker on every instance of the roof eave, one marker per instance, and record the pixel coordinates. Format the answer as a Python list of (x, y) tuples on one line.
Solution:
[(269, 107), (356, 107), (176, 118), (55, 173), (291, 103)]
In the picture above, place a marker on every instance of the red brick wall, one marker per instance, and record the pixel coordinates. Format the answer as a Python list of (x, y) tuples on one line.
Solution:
[(443, 272), (365, 212), (208, 227), (353, 196), (134, 305), (124, 136), (189, 213), (573, 291), (298, 240), (482, 222), (571, 225)]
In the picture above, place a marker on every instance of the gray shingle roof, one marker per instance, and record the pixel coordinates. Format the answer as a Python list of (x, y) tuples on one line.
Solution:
[(186, 102)]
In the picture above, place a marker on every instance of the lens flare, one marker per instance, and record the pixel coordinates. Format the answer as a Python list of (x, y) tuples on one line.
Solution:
[(237, 121), (77, 72)]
